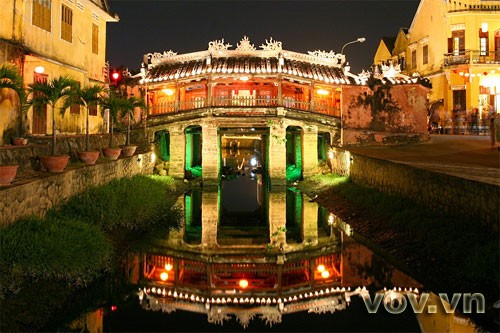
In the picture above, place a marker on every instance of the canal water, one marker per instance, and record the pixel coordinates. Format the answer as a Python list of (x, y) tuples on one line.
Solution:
[(248, 258)]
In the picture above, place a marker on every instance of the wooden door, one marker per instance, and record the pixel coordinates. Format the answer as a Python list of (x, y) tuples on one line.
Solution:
[(40, 113)]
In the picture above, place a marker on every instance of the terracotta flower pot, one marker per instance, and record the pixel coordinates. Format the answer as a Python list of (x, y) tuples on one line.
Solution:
[(55, 164), (128, 150), (112, 153), (19, 141), (7, 174), (88, 157)]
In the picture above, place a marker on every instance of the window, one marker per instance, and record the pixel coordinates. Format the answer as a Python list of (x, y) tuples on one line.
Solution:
[(67, 23), (483, 43), (95, 38), (414, 59), (93, 109), (425, 54), (41, 14), (456, 44)]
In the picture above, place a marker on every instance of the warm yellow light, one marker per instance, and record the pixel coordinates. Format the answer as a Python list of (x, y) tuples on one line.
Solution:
[(168, 92), (321, 268), (322, 92), (461, 73), (168, 267), (484, 27), (330, 219), (325, 274), (164, 276), (243, 283), (244, 78), (39, 69)]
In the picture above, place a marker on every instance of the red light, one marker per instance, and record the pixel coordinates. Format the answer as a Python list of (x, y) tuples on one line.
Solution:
[(115, 76), (113, 307)]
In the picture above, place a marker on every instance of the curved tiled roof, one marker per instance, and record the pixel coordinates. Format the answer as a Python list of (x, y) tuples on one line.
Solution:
[(246, 65)]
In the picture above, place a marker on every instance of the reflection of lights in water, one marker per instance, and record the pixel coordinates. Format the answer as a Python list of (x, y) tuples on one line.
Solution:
[(253, 161), (243, 283), (164, 276)]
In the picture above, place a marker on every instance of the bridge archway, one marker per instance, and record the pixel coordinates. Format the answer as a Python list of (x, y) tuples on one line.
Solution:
[(294, 153), (194, 149)]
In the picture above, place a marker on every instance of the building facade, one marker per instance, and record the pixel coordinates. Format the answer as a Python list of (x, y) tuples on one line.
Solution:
[(45, 39), (457, 46)]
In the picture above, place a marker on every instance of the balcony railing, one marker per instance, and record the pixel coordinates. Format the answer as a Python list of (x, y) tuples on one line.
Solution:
[(244, 102), (471, 57)]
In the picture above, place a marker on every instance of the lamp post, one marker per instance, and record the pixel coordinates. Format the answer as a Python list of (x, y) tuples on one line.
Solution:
[(359, 40)]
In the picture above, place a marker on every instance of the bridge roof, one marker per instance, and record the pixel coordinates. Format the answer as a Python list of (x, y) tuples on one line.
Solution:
[(251, 65)]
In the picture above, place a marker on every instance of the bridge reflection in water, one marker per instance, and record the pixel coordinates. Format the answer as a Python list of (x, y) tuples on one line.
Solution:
[(277, 255)]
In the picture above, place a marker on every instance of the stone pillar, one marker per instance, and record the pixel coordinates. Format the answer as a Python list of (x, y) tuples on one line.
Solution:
[(280, 96), (310, 151), (277, 154), (277, 217), (310, 222), (210, 149), (177, 151), (209, 219)]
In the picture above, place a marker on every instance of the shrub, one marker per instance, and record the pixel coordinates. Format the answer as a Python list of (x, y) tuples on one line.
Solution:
[(33, 248)]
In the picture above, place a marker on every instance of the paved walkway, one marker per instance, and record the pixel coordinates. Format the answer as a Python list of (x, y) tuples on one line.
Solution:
[(466, 156)]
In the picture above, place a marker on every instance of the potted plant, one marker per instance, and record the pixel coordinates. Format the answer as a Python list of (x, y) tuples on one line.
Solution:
[(50, 93), (10, 79), (85, 97), (113, 103), (128, 111)]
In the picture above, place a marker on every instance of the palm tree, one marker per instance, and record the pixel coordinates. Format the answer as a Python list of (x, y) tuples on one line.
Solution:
[(113, 103), (50, 93), (10, 78), (85, 97), (128, 110)]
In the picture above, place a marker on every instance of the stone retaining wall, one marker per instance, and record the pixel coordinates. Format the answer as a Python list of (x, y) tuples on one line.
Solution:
[(37, 196), (440, 192)]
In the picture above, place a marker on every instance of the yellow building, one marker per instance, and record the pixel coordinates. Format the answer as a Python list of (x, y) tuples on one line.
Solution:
[(48, 38), (457, 46)]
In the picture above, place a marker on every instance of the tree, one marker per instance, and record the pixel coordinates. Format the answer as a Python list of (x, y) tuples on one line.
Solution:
[(85, 97), (10, 79), (113, 103), (50, 93), (128, 111)]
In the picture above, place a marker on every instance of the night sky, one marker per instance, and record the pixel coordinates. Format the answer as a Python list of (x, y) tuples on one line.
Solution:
[(188, 26)]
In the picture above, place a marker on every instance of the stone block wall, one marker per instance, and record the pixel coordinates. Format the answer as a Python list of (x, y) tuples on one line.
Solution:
[(474, 200), (39, 195)]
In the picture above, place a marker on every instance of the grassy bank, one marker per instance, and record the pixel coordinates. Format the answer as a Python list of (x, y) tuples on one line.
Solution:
[(79, 241), (450, 253)]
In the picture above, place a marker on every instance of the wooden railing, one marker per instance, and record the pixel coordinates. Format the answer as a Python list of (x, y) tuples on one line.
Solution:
[(244, 102)]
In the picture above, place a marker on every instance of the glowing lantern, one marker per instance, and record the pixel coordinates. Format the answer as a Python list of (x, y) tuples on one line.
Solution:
[(168, 267), (243, 283), (321, 268), (325, 274), (164, 276)]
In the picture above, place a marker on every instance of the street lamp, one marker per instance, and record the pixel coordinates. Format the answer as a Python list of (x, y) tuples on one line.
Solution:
[(359, 40)]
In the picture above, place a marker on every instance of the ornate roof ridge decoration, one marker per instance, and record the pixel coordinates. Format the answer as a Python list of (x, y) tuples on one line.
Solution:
[(157, 57), (332, 60), (245, 45), (218, 45), (271, 45)]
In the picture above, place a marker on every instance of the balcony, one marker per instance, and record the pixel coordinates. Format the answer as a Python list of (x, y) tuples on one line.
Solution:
[(474, 57), (246, 103)]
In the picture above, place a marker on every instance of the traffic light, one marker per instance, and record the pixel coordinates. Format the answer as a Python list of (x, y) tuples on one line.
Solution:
[(115, 77)]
